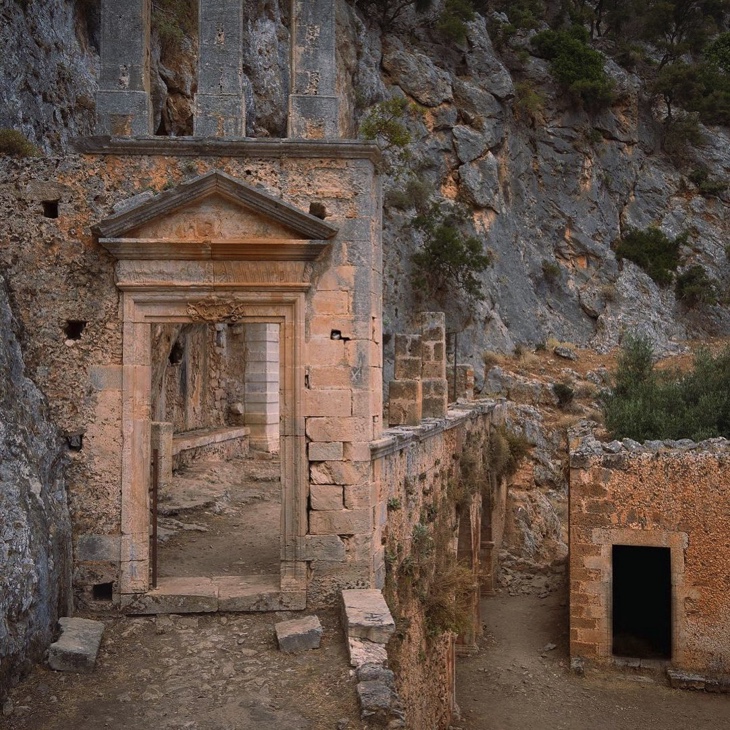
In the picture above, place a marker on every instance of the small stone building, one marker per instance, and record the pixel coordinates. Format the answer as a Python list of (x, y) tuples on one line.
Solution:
[(649, 555)]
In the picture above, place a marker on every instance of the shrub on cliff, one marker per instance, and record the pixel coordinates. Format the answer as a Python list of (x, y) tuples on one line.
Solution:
[(653, 251), (449, 261), (646, 403), (15, 144), (576, 66)]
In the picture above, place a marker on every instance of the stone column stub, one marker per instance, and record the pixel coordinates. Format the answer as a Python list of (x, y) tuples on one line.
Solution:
[(220, 106), (123, 106), (313, 103)]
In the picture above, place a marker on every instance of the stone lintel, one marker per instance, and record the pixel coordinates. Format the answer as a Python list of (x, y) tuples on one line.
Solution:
[(144, 145)]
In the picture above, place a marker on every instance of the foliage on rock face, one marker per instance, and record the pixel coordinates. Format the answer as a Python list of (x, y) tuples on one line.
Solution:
[(449, 261), (174, 20), (506, 452), (646, 403), (388, 12), (694, 287), (15, 144), (386, 124), (653, 251), (450, 22), (575, 65)]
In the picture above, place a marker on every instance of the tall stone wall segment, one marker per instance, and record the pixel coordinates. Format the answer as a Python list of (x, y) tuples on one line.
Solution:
[(423, 508), (35, 531)]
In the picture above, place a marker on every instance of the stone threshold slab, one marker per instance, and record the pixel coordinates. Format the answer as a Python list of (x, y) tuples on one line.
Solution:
[(241, 594)]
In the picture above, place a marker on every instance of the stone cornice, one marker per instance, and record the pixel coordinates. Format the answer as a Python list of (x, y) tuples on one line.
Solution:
[(398, 438), (200, 147)]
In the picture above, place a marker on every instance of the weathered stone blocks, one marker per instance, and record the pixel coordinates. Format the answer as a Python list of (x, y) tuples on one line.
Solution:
[(78, 645), (367, 615), (300, 634)]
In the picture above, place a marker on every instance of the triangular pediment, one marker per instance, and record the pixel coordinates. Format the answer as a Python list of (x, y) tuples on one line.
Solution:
[(214, 216)]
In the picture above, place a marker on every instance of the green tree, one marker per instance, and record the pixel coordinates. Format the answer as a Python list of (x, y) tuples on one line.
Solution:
[(646, 403), (449, 261)]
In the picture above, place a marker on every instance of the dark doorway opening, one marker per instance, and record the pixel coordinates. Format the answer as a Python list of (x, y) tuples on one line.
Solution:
[(642, 602)]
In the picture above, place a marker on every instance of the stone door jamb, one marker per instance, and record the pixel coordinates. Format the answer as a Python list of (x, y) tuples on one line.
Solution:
[(190, 303)]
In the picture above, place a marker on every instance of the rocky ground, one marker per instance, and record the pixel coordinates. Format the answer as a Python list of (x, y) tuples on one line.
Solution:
[(207, 672), (521, 679), (221, 518)]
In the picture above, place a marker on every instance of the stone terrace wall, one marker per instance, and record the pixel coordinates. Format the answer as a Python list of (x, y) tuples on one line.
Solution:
[(35, 534), (662, 494), (423, 510)]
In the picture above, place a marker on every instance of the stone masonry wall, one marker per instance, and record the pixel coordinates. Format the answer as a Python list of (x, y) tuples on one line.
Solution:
[(35, 533), (671, 495), (82, 375), (423, 509)]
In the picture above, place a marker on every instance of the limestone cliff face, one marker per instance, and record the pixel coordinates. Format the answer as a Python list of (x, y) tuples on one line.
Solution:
[(547, 193), (48, 70), (35, 532)]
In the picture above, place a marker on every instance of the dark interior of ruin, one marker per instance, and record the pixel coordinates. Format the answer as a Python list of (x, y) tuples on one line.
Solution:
[(642, 602)]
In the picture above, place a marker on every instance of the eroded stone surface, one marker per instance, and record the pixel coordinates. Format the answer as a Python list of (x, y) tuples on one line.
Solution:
[(78, 645), (299, 634), (367, 615)]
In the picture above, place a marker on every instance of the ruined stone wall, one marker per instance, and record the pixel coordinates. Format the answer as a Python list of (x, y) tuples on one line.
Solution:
[(431, 486), (672, 496), (35, 532), (59, 275)]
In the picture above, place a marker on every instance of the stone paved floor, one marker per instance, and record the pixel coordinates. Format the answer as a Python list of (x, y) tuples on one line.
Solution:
[(221, 518)]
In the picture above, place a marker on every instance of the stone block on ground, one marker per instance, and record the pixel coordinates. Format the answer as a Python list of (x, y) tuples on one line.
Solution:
[(299, 634), (78, 645), (367, 615), (362, 652)]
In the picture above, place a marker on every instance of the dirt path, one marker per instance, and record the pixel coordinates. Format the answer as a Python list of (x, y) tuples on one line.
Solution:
[(221, 518), (206, 672), (518, 682)]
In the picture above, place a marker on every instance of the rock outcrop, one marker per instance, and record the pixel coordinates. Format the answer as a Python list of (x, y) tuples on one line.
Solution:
[(35, 532)]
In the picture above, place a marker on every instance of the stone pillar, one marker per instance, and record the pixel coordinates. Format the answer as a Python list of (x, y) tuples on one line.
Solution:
[(405, 404), (123, 100), (433, 364), (161, 437), (313, 103), (220, 107), (464, 382), (261, 386)]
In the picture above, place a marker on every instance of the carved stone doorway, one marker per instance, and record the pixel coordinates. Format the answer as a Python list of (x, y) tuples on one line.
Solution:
[(212, 250), (216, 494)]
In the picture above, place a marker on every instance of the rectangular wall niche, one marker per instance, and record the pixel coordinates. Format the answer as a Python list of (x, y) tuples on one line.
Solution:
[(642, 602)]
